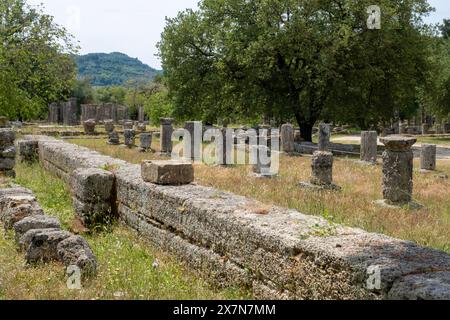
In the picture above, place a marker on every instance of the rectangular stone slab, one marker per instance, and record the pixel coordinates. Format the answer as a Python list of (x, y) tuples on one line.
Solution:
[(167, 172)]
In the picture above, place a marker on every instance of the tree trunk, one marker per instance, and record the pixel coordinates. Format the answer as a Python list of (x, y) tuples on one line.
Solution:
[(306, 127)]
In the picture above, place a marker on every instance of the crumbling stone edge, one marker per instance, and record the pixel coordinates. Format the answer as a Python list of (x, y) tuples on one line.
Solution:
[(39, 236), (279, 253)]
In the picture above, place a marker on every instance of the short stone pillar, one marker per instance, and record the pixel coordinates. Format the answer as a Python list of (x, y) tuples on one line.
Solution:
[(166, 131), (224, 147), (7, 152), (425, 128), (89, 127), (193, 141), (109, 126), (428, 158), (324, 137), (263, 162), (322, 168), (141, 114), (113, 138), (130, 138), (287, 138), (93, 196), (369, 145), (28, 150), (146, 142), (128, 125), (398, 170), (169, 172)]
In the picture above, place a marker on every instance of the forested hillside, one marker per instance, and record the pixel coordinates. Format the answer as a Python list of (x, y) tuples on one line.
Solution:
[(113, 69)]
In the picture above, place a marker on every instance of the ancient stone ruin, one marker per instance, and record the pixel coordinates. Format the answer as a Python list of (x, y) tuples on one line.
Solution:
[(113, 138), (7, 151), (428, 158), (369, 146), (89, 127), (66, 113), (280, 254), (130, 137), (146, 141), (398, 171), (166, 132), (322, 163), (93, 196), (104, 112), (41, 236), (287, 138)]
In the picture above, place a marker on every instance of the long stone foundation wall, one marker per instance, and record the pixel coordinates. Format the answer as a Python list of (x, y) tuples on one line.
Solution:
[(280, 253)]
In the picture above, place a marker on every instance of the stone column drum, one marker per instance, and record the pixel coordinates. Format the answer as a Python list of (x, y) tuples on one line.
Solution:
[(130, 138), (195, 130), (322, 168), (109, 126), (287, 138), (428, 157), (166, 132), (324, 137), (89, 127), (369, 141), (398, 169), (146, 141), (113, 138)]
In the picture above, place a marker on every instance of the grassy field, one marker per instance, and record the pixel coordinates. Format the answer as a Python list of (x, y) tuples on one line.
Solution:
[(125, 260), (353, 206)]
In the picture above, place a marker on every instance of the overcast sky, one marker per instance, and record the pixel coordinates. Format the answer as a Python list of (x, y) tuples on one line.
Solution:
[(134, 26)]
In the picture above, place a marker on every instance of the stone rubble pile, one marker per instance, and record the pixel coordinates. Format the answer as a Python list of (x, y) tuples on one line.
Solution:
[(41, 236)]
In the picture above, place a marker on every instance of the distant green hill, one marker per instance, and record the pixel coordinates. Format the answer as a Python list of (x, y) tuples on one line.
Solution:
[(113, 69)]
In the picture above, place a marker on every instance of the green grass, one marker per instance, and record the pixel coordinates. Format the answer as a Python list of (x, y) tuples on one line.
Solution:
[(124, 260), (353, 206), (443, 141)]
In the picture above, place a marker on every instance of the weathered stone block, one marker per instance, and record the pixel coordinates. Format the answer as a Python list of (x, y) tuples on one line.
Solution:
[(25, 240), (398, 169), (128, 125), (287, 138), (43, 246), (28, 150), (109, 126), (130, 137), (428, 157), (324, 137), (322, 168), (167, 172), (166, 132), (76, 251), (89, 127), (92, 185), (7, 137), (146, 141), (113, 138), (369, 141), (35, 222)]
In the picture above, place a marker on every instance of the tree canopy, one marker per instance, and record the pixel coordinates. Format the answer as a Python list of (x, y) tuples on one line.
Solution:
[(36, 67), (307, 60)]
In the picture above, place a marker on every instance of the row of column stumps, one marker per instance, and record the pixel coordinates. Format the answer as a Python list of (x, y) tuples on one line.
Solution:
[(397, 162)]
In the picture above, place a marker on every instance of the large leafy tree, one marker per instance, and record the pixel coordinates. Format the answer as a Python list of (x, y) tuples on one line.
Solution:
[(302, 59), (36, 67)]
